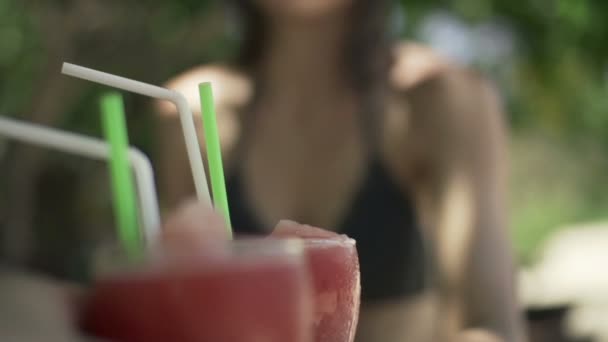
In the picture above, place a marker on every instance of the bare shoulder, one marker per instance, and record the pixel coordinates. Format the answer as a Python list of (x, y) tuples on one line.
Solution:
[(456, 99), (232, 89), (420, 72), (413, 64), (458, 93), (452, 111)]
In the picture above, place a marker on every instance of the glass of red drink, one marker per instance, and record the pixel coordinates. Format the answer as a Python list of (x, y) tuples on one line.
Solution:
[(253, 290), (334, 267)]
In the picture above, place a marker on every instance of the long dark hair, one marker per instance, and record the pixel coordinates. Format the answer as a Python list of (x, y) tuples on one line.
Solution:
[(367, 51)]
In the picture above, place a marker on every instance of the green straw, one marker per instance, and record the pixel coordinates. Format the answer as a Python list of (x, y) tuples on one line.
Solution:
[(123, 189), (214, 152)]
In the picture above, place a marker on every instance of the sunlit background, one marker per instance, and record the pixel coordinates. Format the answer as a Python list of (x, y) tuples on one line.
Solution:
[(548, 57)]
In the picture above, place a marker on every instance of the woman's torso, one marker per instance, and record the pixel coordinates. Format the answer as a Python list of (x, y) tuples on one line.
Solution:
[(339, 181), (319, 166)]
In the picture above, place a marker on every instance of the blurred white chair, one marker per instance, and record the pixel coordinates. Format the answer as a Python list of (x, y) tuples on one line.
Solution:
[(573, 270)]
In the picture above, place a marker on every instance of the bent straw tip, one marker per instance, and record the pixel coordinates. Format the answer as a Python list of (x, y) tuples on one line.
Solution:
[(66, 67)]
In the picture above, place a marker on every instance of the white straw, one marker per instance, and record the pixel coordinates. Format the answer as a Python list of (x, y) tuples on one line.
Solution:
[(180, 102), (96, 149)]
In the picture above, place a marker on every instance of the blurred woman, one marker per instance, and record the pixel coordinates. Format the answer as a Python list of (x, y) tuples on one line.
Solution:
[(326, 121)]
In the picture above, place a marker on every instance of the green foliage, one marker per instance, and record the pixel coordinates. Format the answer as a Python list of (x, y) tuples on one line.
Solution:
[(555, 183), (19, 60)]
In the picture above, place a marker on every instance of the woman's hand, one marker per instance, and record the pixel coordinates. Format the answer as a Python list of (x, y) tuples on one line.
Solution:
[(193, 224)]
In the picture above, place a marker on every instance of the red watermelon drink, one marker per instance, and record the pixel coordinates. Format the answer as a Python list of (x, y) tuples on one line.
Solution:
[(251, 291), (334, 266)]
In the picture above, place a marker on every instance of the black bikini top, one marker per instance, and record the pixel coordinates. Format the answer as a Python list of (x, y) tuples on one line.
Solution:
[(383, 222)]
